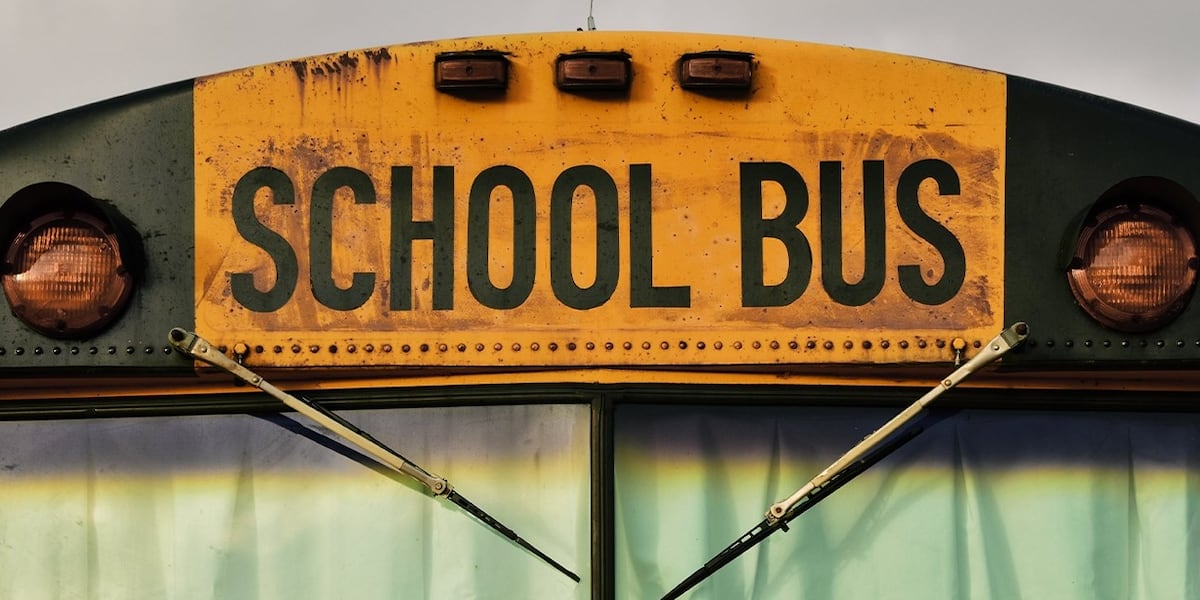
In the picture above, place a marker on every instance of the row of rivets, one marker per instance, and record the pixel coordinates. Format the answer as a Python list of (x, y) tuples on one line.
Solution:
[(76, 350), (1086, 343), (572, 346)]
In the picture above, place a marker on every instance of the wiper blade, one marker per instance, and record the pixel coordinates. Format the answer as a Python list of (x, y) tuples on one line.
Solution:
[(196, 347), (870, 450), (765, 527)]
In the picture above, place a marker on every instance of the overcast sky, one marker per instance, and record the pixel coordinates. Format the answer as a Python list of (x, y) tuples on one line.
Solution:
[(59, 54)]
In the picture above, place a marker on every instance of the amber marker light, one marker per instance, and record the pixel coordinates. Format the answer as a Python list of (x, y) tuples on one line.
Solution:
[(1134, 267), (477, 70), (716, 70), (64, 276), (587, 71)]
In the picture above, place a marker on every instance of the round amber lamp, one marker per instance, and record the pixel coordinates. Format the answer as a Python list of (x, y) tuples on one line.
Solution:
[(64, 276), (1134, 268)]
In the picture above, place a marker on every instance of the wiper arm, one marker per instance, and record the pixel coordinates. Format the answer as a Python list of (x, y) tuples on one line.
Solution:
[(196, 347), (870, 450)]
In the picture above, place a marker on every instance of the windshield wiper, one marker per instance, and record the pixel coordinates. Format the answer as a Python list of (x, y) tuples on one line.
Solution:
[(196, 347), (870, 450)]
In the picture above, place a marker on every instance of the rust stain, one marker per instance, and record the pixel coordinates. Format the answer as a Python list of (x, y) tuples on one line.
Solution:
[(343, 65)]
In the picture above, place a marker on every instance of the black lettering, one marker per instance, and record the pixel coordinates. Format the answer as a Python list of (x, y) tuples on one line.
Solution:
[(608, 266), (325, 289), (283, 192), (440, 230), (832, 274), (953, 258), (755, 229), (642, 291), (523, 244)]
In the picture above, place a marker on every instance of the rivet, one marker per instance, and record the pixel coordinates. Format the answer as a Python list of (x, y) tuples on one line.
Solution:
[(699, 345), (75, 350), (149, 350), (848, 345), (443, 347), (941, 343), (424, 347), (1049, 343), (828, 345), (516, 347), (664, 345), (608, 345), (718, 345), (19, 351), (535, 346), (682, 345), (479, 347), (571, 346), (978, 344), (1106, 343), (93, 350), (333, 348), (645, 345), (2, 351), (38, 350), (904, 344), (1180, 343), (756, 345), (405, 348), (1159, 343), (627, 345), (351, 349), (461, 347), (112, 349), (314, 348), (295, 348), (553, 346), (166, 349), (794, 345), (590, 346), (866, 344), (885, 344), (1069, 343), (128, 349), (1124, 343), (1142, 343), (223, 348), (1087, 343), (921, 343), (737, 345), (386, 348), (56, 350), (498, 347), (810, 344)]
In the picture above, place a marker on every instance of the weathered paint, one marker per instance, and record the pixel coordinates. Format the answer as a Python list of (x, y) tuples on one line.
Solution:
[(638, 256)]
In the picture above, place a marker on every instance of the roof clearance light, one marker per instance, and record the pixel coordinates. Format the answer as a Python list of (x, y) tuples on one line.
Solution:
[(464, 71), (716, 70), (64, 275), (1134, 268), (593, 71)]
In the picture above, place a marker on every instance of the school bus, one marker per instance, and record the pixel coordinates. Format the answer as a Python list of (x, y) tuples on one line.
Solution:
[(562, 315)]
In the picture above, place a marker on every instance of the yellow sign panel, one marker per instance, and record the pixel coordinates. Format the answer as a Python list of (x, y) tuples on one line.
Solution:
[(848, 208)]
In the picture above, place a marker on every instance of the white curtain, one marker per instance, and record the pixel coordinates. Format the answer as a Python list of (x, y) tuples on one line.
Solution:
[(237, 506), (983, 504)]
